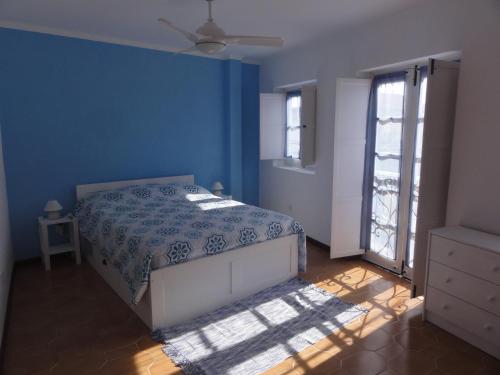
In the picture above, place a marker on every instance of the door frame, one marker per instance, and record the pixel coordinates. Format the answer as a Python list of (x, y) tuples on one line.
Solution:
[(408, 137)]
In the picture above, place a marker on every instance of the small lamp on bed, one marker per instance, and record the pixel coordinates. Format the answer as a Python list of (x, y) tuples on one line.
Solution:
[(217, 188), (53, 209)]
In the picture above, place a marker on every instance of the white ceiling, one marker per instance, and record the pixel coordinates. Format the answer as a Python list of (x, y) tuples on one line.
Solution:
[(135, 21)]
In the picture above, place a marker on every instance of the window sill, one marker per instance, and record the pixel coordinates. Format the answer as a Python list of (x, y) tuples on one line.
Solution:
[(291, 165)]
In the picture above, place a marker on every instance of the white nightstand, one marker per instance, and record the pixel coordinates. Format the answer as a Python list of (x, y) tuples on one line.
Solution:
[(72, 246)]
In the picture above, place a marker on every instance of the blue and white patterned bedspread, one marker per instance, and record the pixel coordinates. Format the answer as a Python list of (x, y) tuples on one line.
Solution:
[(144, 227)]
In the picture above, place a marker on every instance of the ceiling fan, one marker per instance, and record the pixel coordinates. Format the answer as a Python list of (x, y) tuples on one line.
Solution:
[(213, 39)]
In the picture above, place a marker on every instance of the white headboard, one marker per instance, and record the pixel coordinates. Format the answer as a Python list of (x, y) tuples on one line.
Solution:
[(83, 190)]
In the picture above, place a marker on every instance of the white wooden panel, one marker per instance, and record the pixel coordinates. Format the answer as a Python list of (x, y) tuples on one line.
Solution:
[(436, 150), (308, 125), (181, 292), (272, 126), (264, 268), (185, 291), (349, 180), (348, 164), (83, 190), (346, 231), (351, 108)]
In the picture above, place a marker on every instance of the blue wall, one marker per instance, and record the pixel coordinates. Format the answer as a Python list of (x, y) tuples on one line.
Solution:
[(250, 133), (76, 112)]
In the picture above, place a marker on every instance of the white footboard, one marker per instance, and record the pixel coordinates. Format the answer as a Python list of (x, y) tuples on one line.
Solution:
[(188, 290), (182, 292)]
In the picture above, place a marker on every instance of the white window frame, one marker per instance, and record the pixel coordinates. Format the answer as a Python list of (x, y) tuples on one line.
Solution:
[(273, 129)]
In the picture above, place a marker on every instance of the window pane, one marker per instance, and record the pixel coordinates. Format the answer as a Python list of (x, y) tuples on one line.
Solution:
[(293, 111), (386, 181), (390, 100), (417, 160), (293, 103), (293, 143)]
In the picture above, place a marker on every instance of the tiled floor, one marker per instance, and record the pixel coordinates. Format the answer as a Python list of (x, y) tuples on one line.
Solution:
[(68, 321)]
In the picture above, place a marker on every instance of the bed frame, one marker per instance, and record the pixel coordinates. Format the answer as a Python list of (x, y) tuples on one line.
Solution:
[(182, 292)]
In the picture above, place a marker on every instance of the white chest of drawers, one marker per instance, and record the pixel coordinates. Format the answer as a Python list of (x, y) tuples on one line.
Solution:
[(462, 290)]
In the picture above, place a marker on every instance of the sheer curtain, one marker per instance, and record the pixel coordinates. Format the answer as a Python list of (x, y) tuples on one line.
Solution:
[(381, 180)]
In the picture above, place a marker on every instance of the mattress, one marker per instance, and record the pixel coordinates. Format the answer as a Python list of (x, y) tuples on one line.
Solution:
[(141, 228)]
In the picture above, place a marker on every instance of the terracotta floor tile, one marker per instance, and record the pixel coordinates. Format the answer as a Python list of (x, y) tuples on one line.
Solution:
[(31, 360), (416, 338), (164, 369), (487, 371), (375, 340), (460, 363), (390, 351), (491, 363), (437, 372), (388, 372), (53, 330), (364, 363), (413, 362)]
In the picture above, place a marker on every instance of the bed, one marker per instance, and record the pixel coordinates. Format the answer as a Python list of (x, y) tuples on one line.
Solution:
[(167, 275)]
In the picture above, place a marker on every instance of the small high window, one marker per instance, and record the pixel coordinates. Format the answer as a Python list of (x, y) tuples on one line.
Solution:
[(287, 127)]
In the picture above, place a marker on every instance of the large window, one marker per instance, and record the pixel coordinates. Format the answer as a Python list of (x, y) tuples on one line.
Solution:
[(292, 140), (392, 168)]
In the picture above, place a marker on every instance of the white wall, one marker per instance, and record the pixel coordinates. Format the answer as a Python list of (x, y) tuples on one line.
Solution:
[(474, 195), (431, 27), (6, 259)]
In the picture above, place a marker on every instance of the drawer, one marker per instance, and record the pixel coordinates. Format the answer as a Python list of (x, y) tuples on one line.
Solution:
[(481, 263), (469, 288), (464, 315)]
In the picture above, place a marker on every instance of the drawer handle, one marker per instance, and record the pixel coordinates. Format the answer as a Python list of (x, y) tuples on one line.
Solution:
[(446, 307), (450, 253), (488, 327), (496, 268), (447, 280), (491, 298)]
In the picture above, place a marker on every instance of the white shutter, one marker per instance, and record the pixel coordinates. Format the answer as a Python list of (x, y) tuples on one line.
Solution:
[(439, 120), (351, 109), (272, 126), (308, 125)]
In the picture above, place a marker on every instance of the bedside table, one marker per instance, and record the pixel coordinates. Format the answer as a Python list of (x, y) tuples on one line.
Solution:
[(47, 249)]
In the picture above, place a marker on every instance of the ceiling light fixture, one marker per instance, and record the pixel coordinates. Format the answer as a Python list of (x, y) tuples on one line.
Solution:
[(214, 40), (210, 47)]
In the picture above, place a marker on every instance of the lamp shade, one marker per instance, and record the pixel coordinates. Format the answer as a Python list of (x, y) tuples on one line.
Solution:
[(217, 188), (53, 207)]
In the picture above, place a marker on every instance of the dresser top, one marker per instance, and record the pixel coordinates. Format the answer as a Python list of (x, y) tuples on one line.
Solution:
[(472, 237)]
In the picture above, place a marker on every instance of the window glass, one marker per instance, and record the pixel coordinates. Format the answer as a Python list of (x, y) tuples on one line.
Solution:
[(417, 161), (386, 179), (292, 148)]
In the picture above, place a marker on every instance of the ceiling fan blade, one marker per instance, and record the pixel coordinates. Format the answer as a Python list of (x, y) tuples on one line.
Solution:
[(248, 40), (193, 38)]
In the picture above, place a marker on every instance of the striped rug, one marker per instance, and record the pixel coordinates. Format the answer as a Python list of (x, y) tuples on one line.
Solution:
[(255, 334)]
